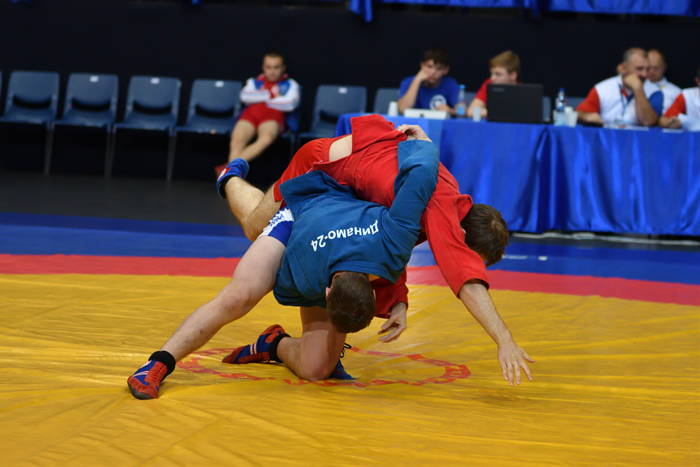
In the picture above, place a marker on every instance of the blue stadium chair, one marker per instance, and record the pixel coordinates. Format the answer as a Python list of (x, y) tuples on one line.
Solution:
[(91, 101), (469, 97), (546, 109), (152, 104), (382, 99), (32, 98), (331, 102), (574, 101), (213, 109)]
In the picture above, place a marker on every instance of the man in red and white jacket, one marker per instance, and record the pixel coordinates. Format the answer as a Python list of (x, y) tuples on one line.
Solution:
[(685, 110), (622, 98), (270, 100)]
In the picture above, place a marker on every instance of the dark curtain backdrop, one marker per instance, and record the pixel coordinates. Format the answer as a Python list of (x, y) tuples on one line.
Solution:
[(322, 45)]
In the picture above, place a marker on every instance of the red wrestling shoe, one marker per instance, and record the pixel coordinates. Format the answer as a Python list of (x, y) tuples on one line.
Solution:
[(258, 351), (145, 383)]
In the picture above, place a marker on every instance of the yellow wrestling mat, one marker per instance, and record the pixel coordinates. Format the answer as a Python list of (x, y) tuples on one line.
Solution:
[(616, 383)]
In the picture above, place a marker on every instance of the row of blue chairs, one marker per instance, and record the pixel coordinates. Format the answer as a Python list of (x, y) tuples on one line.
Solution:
[(152, 104), (91, 101)]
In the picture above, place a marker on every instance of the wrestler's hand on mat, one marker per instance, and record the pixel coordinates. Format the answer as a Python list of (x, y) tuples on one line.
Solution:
[(414, 132), (512, 358), (395, 325)]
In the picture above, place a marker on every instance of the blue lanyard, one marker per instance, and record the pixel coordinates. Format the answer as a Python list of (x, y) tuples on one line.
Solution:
[(625, 102)]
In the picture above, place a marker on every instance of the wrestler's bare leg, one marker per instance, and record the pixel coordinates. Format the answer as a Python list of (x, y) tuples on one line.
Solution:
[(253, 278), (251, 206), (315, 355)]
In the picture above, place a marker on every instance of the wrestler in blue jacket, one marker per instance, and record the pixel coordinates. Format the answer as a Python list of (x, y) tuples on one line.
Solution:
[(335, 231)]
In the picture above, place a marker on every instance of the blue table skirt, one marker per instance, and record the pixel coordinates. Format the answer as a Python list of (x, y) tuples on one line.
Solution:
[(497, 170), (624, 181), (543, 177)]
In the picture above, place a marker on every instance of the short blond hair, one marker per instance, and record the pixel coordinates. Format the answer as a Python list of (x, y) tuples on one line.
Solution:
[(507, 60)]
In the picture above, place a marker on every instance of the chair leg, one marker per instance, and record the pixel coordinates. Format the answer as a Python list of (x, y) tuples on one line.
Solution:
[(171, 156), (49, 147), (107, 150), (292, 145), (110, 153)]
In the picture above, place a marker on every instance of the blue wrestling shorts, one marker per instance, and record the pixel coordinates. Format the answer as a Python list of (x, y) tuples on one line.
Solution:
[(280, 226)]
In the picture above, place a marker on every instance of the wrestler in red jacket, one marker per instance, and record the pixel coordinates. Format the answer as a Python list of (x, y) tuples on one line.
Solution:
[(366, 161)]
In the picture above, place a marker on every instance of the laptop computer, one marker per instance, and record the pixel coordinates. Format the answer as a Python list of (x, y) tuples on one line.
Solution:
[(516, 103)]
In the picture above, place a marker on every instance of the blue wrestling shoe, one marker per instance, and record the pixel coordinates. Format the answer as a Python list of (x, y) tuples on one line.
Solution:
[(339, 372), (260, 351), (145, 383), (235, 168)]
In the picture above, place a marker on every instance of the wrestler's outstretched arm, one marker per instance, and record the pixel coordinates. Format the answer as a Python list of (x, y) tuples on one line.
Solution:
[(511, 357), (476, 298), (472, 291)]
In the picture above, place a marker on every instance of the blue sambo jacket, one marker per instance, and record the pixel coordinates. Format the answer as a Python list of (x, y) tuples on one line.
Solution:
[(335, 231)]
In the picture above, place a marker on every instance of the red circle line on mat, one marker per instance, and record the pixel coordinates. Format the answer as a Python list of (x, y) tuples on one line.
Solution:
[(452, 371)]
